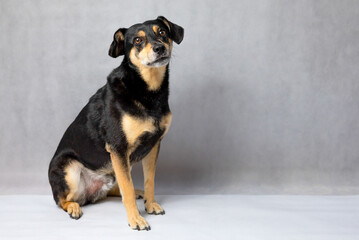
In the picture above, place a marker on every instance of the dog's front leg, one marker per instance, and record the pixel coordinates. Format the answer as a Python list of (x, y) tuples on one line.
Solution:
[(149, 169), (122, 170)]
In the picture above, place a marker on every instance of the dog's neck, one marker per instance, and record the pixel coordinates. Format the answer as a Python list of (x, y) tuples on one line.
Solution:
[(152, 76), (130, 86), (140, 81)]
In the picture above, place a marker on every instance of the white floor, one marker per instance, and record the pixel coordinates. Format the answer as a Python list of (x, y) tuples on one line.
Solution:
[(188, 217)]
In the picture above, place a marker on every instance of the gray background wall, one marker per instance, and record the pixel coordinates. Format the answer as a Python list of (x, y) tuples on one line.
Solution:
[(264, 93)]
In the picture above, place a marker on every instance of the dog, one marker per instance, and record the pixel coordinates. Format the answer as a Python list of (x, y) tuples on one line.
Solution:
[(123, 123)]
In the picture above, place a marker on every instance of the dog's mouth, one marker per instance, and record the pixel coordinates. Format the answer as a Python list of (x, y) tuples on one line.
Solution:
[(159, 61)]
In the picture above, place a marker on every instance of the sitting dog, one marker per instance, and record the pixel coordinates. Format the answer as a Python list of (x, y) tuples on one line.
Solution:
[(123, 123)]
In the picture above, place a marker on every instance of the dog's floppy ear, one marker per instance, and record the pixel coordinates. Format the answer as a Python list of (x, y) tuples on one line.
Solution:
[(176, 32), (117, 45)]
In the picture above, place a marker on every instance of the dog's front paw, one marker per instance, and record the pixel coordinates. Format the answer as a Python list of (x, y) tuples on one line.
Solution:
[(138, 223), (154, 208)]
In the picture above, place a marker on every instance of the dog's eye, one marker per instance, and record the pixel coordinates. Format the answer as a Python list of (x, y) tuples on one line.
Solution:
[(162, 33), (138, 41)]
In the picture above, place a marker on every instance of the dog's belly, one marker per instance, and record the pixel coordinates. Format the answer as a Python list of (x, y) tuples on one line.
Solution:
[(97, 184)]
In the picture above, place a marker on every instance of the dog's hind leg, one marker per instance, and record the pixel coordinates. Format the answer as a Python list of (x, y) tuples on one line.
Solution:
[(115, 192), (139, 193), (76, 195), (67, 184)]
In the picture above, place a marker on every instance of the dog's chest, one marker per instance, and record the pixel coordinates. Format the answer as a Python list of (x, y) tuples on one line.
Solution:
[(134, 127)]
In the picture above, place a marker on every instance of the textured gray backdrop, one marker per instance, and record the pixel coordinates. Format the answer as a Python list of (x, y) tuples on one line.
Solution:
[(264, 94)]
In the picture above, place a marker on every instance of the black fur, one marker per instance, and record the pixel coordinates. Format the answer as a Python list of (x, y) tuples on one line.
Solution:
[(99, 121)]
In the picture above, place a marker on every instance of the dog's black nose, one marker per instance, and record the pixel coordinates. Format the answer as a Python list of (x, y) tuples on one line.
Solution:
[(159, 49)]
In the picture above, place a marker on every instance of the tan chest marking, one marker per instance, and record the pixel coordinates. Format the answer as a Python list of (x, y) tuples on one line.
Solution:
[(151, 75), (166, 122), (134, 127)]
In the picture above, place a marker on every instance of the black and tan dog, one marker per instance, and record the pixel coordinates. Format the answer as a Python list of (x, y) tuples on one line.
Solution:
[(123, 123)]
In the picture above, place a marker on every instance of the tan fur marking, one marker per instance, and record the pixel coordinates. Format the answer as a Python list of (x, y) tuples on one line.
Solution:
[(115, 192), (166, 122), (73, 178), (134, 127), (155, 28), (139, 193), (119, 36), (151, 75), (149, 166), (149, 169), (145, 51), (124, 180), (167, 24), (141, 33), (72, 208), (63, 203), (170, 44)]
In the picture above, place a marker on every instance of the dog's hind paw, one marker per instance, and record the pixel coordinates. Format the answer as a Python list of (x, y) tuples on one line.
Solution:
[(154, 208), (139, 193), (74, 210)]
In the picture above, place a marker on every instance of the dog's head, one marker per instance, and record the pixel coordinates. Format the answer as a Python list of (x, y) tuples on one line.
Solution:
[(147, 44)]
